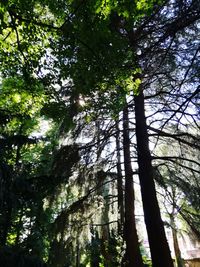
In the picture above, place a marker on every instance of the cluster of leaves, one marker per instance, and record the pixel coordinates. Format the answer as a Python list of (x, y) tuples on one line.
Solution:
[(21, 199)]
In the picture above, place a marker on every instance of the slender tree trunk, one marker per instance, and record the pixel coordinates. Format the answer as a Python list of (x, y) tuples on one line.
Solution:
[(6, 204), (19, 228), (95, 251), (7, 223), (159, 247), (105, 231), (77, 253), (119, 183), (133, 257), (105, 246), (179, 260)]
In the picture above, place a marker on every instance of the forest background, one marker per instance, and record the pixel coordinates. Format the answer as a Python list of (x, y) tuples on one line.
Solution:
[(97, 97)]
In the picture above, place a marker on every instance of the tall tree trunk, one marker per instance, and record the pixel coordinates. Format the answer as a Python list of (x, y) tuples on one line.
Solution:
[(159, 247), (105, 246), (19, 228), (120, 193), (179, 260), (133, 257), (6, 223), (6, 205), (95, 257), (77, 252), (105, 231)]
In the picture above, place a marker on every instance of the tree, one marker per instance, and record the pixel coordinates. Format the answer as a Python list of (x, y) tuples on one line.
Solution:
[(132, 255), (101, 52), (151, 210), (21, 200)]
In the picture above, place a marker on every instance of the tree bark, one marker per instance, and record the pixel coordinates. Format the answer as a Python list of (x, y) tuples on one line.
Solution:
[(179, 261), (133, 257), (19, 228), (120, 192), (6, 208), (77, 253), (95, 251), (159, 247)]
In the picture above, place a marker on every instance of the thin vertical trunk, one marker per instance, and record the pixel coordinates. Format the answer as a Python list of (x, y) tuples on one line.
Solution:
[(18, 151), (105, 246), (159, 247), (172, 216), (119, 183), (95, 251), (6, 204), (6, 223), (105, 231), (133, 257), (19, 228), (179, 260), (77, 253)]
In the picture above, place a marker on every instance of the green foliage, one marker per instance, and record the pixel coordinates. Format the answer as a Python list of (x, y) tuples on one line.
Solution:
[(93, 251), (53, 54), (22, 194), (18, 257), (54, 110), (146, 260), (129, 10), (23, 102)]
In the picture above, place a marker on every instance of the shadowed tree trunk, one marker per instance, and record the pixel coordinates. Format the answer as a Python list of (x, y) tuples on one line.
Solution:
[(6, 205), (133, 257), (177, 252), (120, 193), (77, 252), (19, 228), (159, 247), (179, 260), (95, 251), (7, 223)]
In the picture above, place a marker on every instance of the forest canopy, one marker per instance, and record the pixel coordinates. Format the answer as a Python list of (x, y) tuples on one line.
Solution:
[(99, 132)]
